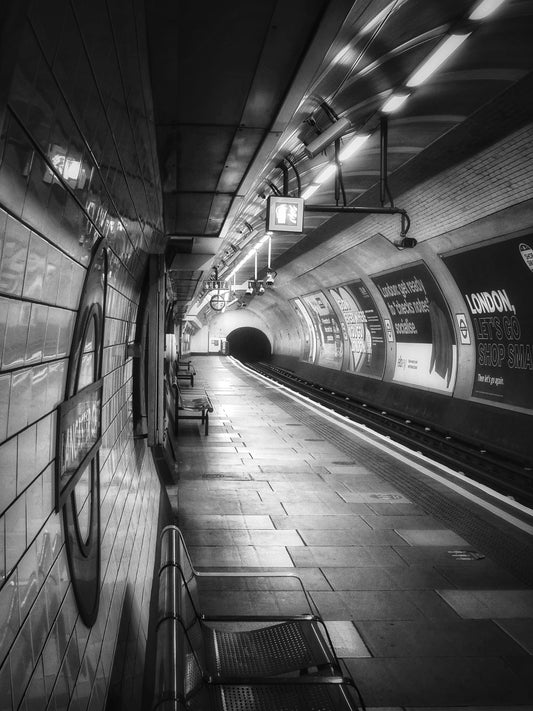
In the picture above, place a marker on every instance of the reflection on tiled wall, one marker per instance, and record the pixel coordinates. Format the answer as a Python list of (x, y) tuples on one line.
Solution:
[(77, 164)]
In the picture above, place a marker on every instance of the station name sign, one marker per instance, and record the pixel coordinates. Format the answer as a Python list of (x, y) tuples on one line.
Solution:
[(78, 438)]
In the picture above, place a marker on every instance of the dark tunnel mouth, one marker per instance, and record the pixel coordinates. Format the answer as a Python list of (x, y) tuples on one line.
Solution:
[(249, 345)]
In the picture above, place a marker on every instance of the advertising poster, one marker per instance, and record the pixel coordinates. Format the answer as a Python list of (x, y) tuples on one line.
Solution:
[(361, 328), (496, 281), (426, 352), (310, 337), (326, 325)]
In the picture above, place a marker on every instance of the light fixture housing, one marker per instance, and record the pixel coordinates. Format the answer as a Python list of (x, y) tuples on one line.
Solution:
[(324, 139)]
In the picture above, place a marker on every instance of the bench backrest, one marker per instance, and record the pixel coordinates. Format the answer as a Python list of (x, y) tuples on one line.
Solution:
[(183, 589)]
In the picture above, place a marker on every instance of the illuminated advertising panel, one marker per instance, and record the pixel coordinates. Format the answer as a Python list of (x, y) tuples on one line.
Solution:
[(426, 351), (310, 336), (496, 281), (362, 329), (327, 328)]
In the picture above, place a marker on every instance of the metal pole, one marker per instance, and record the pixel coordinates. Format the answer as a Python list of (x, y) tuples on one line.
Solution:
[(383, 159)]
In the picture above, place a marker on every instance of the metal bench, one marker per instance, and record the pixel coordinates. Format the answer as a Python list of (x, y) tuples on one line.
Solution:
[(192, 404), (185, 370), (287, 663)]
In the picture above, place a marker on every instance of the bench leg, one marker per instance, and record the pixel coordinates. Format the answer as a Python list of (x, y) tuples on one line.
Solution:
[(207, 423)]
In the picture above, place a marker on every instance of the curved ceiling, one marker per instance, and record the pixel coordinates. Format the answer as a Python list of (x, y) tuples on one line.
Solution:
[(241, 87)]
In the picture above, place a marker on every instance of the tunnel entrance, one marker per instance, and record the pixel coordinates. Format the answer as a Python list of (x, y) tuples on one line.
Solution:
[(248, 345)]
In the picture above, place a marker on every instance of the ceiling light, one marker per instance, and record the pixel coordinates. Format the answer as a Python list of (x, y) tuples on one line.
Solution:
[(436, 58), (484, 9), (353, 145), (326, 173), (394, 102), (381, 16), (310, 189)]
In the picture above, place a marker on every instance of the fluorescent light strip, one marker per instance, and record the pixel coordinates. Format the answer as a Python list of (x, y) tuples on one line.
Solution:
[(381, 16), (310, 189), (326, 173), (484, 9), (394, 102), (353, 145), (444, 50)]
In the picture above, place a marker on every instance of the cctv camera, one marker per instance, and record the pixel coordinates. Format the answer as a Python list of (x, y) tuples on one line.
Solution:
[(322, 141)]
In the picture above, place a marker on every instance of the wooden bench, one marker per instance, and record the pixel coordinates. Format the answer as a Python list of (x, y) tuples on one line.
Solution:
[(284, 662), (192, 404)]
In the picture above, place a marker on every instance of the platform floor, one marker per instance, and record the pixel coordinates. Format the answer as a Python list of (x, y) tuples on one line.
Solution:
[(427, 593)]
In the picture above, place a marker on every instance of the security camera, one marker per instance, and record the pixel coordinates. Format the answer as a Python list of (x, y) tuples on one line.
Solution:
[(260, 288), (406, 243), (322, 141)]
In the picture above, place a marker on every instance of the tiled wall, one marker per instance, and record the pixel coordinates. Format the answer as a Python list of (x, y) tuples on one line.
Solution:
[(77, 163)]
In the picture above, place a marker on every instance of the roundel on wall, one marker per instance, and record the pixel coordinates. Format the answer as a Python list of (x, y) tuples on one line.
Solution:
[(77, 485)]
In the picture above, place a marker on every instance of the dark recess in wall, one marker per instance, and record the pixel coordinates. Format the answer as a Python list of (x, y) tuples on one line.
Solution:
[(248, 345)]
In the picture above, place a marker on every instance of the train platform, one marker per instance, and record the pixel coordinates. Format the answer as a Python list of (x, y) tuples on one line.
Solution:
[(425, 580)]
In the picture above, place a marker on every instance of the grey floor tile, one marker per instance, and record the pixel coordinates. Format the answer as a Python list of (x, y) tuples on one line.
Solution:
[(229, 508), (421, 681), (520, 630), (432, 555), (258, 602), (400, 509), (347, 641), (433, 537), (252, 556), (324, 522), (219, 522), (478, 574), (248, 537), (394, 521), (480, 604), (366, 605), (323, 509), (365, 537), (416, 638), (371, 497), (344, 556)]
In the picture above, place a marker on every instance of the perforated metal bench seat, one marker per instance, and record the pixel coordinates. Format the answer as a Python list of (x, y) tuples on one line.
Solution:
[(295, 645), (285, 664), (320, 695)]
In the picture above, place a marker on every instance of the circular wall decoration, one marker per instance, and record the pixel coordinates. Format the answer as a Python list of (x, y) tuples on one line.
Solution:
[(77, 489)]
